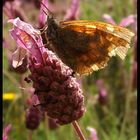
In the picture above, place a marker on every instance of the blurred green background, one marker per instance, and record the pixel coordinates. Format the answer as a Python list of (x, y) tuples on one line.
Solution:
[(114, 118)]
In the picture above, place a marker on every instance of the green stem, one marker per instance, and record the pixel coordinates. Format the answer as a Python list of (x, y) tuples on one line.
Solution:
[(10, 77), (127, 107), (22, 86), (46, 127)]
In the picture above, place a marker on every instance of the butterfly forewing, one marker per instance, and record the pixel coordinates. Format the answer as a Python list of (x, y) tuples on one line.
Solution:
[(117, 31), (105, 40)]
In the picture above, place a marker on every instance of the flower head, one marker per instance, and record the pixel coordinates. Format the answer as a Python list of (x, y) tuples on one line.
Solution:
[(102, 96), (57, 90), (12, 9), (33, 118)]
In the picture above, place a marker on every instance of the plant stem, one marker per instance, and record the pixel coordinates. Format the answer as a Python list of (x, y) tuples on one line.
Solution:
[(78, 130), (30, 135), (46, 127), (10, 77)]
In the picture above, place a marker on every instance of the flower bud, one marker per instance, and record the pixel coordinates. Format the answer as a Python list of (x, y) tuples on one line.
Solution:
[(33, 118)]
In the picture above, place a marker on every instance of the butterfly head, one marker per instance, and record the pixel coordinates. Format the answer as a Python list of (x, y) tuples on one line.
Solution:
[(50, 21), (50, 24)]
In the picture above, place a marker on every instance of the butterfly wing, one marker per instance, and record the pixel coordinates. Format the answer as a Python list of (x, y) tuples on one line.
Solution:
[(104, 41), (109, 28)]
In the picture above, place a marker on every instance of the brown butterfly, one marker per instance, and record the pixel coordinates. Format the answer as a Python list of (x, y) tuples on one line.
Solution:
[(85, 45)]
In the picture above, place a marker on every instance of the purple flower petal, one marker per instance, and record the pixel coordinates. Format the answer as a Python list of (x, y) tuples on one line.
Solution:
[(93, 133), (127, 21), (28, 38), (6, 132), (42, 15), (7, 128), (24, 26), (72, 12), (109, 19), (18, 57), (12, 9), (102, 92), (8, 10)]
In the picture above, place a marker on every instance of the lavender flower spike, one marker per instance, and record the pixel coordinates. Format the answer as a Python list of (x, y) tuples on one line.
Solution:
[(57, 90), (27, 38)]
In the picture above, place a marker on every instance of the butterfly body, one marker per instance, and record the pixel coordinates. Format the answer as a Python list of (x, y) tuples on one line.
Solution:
[(86, 46)]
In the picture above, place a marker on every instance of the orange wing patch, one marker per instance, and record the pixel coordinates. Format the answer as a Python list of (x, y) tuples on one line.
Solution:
[(119, 36), (111, 40)]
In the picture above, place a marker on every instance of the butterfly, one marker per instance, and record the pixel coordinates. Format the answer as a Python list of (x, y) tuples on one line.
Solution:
[(86, 46)]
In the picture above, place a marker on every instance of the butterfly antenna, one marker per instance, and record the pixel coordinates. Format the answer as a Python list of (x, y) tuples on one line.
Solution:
[(46, 8), (45, 12)]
